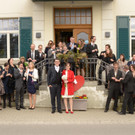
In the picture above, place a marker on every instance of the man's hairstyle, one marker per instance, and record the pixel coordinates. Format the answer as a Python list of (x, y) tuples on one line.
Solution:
[(71, 37), (126, 67), (92, 37), (19, 63), (56, 59), (39, 46), (6, 64), (108, 45)]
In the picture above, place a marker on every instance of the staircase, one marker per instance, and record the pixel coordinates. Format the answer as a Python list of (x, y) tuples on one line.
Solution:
[(96, 95)]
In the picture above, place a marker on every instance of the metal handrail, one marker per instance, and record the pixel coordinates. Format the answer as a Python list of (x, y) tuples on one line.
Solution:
[(88, 64)]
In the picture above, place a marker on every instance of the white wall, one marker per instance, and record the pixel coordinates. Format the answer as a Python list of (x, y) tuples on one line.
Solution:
[(122, 8), (15, 8)]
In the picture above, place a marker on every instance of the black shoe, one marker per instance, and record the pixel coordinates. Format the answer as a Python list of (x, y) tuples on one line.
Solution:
[(18, 108), (60, 111), (130, 112), (115, 110), (53, 111), (106, 110), (22, 107), (121, 113), (9, 106)]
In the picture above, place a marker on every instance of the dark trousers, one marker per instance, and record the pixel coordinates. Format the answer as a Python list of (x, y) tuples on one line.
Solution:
[(128, 100), (9, 99), (19, 95), (55, 90), (40, 74), (113, 93)]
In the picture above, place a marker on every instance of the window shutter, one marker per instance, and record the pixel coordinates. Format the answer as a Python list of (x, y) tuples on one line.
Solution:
[(25, 35), (123, 36)]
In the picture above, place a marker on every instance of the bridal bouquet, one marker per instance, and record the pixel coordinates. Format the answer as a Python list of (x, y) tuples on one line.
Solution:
[(64, 78)]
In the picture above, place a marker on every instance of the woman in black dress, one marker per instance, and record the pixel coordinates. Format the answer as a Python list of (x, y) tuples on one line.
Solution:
[(46, 52), (6, 81), (12, 80), (109, 58)]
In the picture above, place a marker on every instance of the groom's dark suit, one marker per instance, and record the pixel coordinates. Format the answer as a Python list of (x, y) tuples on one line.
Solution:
[(54, 79)]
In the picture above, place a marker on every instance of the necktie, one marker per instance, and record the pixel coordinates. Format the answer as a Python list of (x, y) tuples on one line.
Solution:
[(32, 55)]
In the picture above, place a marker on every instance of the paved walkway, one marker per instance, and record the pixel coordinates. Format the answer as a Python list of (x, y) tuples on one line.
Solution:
[(44, 116)]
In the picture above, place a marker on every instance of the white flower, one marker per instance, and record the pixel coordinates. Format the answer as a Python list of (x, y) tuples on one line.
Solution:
[(64, 77)]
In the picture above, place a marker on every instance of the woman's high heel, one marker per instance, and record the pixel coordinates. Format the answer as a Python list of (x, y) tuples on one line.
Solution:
[(67, 112), (71, 112)]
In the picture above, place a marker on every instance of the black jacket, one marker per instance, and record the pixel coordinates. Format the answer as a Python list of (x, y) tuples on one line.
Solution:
[(36, 56), (41, 57), (51, 77), (113, 84), (89, 51), (69, 48), (108, 59), (128, 82)]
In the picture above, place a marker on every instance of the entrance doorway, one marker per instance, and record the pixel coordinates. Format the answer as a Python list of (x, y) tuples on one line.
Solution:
[(63, 35), (76, 22)]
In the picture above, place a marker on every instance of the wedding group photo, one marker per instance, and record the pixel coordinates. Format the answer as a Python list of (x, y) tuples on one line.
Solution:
[(67, 64)]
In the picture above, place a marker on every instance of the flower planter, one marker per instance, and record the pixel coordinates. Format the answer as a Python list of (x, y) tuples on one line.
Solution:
[(78, 104)]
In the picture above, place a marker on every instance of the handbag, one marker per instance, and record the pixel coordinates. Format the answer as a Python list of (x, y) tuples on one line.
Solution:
[(36, 85), (2, 91)]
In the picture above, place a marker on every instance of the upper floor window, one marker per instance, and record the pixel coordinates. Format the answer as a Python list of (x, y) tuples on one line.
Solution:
[(72, 16), (8, 24)]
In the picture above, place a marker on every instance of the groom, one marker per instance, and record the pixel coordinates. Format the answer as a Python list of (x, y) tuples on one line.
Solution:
[(54, 83)]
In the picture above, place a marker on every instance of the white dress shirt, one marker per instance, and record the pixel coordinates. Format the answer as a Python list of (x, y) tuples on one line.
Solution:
[(72, 47), (33, 55), (57, 68)]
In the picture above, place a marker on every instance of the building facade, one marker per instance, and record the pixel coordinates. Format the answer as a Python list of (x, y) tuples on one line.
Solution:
[(23, 22)]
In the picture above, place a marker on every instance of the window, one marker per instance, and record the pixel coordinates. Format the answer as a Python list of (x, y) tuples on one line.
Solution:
[(9, 33), (72, 16)]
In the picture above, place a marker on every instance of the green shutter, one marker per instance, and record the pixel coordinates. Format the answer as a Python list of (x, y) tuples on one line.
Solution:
[(25, 35), (123, 36)]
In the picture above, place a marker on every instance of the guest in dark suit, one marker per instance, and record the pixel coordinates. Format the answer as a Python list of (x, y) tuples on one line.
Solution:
[(52, 52), (132, 61), (54, 83), (92, 52), (114, 86), (72, 46), (19, 85), (102, 68), (41, 58), (32, 55), (6, 80), (128, 82)]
